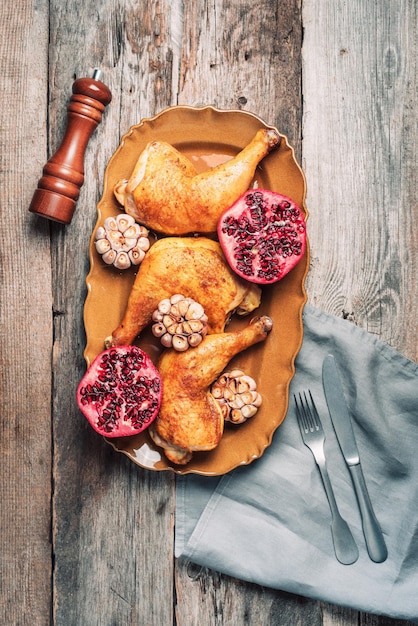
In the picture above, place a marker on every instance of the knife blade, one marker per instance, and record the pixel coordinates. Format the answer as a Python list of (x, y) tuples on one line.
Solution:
[(341, 422)]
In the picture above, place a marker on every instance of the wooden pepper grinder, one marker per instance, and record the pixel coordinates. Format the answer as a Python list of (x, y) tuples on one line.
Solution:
[(63, 175)]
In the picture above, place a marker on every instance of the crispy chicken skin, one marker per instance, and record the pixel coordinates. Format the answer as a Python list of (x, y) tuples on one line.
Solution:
[(193, 267), (166, 194), (190, 419)]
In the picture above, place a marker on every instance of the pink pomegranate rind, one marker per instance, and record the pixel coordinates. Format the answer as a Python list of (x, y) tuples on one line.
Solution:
[(263, 235), (120, 394)]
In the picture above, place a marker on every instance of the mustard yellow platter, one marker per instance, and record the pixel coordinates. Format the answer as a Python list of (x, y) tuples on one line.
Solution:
[(208, 136)]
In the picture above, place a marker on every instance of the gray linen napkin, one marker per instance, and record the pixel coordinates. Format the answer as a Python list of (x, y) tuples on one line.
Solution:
[(269, 522)]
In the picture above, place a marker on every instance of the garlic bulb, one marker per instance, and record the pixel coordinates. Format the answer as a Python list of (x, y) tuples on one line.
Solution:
[(121, 241), (179, 322), (237, 395)]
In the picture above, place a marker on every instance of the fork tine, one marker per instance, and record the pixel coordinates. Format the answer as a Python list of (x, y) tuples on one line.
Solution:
[(299, 413), (314, 413), (307, 412)]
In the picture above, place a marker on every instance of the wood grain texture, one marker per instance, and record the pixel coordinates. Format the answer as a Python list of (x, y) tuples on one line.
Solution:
[(360, 160), (86, 537), (244, 55), (26, 329)]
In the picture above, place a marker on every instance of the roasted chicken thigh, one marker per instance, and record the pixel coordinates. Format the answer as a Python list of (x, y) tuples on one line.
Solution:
[(193, 267), (166, 194), (190, 419)]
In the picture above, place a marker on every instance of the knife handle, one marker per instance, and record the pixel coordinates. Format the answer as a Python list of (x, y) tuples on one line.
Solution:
[(345, 547), (375, 542)]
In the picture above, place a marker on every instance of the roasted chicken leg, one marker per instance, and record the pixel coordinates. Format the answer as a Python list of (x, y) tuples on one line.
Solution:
[(193, 267), (190, 418), (166, 194)]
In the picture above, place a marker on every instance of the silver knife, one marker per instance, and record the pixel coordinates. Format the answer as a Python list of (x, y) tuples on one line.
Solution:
[(341, 421)]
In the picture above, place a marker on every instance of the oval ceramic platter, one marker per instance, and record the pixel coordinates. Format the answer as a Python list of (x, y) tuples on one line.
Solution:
[(208, 136)]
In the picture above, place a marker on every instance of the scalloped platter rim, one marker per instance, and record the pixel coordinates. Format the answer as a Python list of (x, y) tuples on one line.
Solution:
[(208, 136)]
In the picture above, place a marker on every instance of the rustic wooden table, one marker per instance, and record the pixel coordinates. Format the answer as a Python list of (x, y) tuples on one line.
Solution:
[(86, 536)]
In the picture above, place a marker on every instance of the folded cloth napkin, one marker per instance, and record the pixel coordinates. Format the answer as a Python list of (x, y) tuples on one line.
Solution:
[(269, 522)]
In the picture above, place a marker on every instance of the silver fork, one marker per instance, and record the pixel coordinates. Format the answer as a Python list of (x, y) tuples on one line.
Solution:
[(313, 437)]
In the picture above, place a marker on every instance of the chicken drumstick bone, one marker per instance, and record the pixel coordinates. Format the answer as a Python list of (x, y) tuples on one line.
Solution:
[(190, 418), (166, 194)]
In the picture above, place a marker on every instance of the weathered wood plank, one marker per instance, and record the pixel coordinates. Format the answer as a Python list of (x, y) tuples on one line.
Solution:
[(244, 55), (360, 159), (113, 522), (206, 597), (26, 331)]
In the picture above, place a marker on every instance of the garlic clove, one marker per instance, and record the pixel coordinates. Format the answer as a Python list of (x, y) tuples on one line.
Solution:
[(116, 239), (143, 231), (217, 392), (229, 394), (136, 255), (102, 245), (157, 316), (186, 328), (195, 326), (132, 232), (109, 257), (250, 397), (195, 311), (164, 306), (167, 340), (236, 402), (180, 343), (183, 306), (246, 383), (226, 412), (124, 222), (167, 320), (129, 243), (110, 223), (236, 416), (248, 410), (236, 373), (158, 329), (174, 312), (143, 244), (222, 381), (194, 339), (122, 261), (176, 298), (100, 233), (257, 400)]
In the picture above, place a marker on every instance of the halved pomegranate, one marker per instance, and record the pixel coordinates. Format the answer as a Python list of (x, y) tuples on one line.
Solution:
[(120, 394), (263, 235)]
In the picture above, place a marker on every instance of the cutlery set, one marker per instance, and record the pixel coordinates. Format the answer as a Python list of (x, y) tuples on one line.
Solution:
[(313, 436)]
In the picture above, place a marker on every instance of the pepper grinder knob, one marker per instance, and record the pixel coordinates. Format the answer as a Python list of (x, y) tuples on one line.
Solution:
[(63, 175)]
